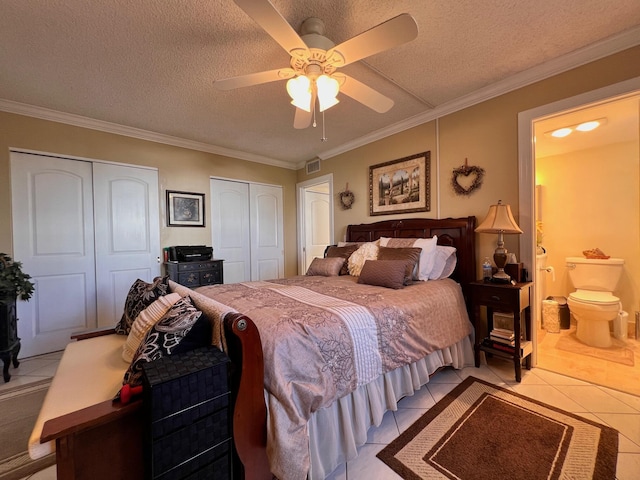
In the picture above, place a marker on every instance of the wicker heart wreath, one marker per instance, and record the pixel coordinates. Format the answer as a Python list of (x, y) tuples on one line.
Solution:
[(466, 171)]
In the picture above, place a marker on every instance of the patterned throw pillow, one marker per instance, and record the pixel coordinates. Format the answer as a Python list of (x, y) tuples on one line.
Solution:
[(427, 257), (410, 255), (144, 322), (326, 267), (367, 251), (140, 296), (342, 252), (383, 273), (163, 338)]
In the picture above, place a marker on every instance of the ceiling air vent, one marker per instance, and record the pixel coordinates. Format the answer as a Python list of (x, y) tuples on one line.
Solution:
[(313, 166)]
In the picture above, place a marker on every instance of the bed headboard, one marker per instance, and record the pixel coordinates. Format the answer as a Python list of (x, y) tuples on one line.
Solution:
[(454, 232)]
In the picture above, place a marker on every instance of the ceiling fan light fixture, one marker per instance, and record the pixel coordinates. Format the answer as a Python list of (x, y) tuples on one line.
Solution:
[(299, 89), (327, 91)]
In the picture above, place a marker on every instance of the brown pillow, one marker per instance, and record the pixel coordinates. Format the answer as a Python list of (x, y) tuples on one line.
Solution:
[(410, 255), (383, 273), (343, 252), (326, 267)]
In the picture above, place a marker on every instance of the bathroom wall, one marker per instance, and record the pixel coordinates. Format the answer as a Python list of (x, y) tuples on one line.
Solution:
[(591, 198)]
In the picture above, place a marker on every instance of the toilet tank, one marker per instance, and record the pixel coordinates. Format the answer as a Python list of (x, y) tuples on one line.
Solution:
[(595, 274)]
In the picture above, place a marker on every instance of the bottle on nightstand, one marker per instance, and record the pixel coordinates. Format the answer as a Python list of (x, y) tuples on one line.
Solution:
[(486, 270)]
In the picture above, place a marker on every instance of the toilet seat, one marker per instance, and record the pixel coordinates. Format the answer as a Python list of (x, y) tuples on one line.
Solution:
[(594, 297)]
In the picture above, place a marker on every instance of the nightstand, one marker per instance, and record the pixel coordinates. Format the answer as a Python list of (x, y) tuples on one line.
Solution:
[(504, 298)]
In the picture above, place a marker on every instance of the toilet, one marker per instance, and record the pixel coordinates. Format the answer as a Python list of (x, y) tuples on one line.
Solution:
[(593, 304)]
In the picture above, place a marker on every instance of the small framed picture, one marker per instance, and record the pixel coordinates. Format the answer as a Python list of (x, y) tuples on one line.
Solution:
[(185, 209)]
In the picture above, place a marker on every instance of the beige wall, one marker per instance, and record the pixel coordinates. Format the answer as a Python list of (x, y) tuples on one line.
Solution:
[(486, 134), (178, 169), (591, 198)]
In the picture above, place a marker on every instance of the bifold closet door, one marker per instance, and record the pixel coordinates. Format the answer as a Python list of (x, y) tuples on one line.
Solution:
[(81, 230), (247, 230)]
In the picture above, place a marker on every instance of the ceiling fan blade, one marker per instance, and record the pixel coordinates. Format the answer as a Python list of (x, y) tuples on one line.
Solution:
[(302, 119), (265, 14), (393, 32), (254, 79), (365, 95)]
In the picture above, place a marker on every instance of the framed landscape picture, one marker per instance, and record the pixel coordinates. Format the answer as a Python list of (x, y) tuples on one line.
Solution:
[(185, 209), (401, 186)]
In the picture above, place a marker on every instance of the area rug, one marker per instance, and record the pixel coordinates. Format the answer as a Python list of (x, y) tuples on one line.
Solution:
[(483, 432), (617, 352), (19, 409)]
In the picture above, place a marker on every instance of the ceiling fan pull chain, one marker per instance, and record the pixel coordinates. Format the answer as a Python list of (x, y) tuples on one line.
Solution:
[(314, 117), (324, 134)]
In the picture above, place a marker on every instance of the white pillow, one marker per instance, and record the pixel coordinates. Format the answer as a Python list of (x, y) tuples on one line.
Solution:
[(444, 262), (427, 256), (367, 251), (145, 320)]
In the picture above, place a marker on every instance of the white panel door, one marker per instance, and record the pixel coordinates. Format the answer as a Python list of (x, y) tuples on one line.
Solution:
[(317, 225), (127, 234), (267, 232), (230, 228), (53, 237)]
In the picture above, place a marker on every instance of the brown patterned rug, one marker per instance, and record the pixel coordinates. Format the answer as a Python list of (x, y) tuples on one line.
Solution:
[(19, 408), (483, 432)]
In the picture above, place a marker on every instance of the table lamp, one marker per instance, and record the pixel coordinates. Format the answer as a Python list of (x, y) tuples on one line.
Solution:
[(499, 220)]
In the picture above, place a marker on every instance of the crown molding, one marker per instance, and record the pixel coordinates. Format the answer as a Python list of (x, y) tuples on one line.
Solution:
[(108, 127), (582, 56), (614, 44)]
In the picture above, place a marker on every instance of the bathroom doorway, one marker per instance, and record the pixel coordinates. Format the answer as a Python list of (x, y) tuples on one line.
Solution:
[(586, 196)]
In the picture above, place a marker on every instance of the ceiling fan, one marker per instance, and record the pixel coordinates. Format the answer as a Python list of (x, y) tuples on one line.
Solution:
[(312, 75)]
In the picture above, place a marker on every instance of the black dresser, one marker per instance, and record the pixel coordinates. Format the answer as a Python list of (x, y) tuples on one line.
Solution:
[(9, 341), (195, 274), (188, 416)]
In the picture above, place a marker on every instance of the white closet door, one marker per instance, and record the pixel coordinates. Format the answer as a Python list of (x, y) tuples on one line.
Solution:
[(230, 228), (127, 234), (53, 237), (267, 232)]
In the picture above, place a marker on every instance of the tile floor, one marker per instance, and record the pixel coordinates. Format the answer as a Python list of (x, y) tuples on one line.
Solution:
[(611, 407)]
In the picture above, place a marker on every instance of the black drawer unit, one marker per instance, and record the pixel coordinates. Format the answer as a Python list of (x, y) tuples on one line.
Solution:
[(195, 274), (187, 412)]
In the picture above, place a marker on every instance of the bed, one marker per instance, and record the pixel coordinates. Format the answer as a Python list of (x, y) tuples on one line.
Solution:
[(103, 439), (331, 411)]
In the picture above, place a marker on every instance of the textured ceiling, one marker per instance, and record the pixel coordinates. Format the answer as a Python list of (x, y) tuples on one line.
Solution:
[(151, 64)]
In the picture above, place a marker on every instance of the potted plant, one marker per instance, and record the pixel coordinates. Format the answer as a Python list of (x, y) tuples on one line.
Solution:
[(14, 283)]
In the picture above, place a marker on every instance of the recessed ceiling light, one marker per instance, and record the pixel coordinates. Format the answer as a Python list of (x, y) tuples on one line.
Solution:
[(561, 132), (588, 126)]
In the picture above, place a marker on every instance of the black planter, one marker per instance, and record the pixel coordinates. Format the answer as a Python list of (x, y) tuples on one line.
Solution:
[(9, 341)]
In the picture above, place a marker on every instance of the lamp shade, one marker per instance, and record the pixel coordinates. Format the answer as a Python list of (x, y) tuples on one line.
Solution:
[(499, 220), (299, 89)]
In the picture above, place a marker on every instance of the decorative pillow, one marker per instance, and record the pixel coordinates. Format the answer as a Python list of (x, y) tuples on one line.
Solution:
[(163, 338), (410, 255), (445, 260), (383, 273), (343, 252), (326, 267), (200, 335), (144, 321), (367, 251), (428, 246), (140, 296)]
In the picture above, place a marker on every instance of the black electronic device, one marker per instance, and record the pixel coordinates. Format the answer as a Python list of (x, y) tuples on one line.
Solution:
[(190, 253)]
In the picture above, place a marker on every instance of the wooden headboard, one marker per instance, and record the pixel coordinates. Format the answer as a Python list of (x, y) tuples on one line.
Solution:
[(454, 232)]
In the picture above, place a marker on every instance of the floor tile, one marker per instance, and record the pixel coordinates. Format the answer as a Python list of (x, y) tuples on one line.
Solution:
[(368, 466), (628, 425), (420, 399), (628, 466), (405, 417), (386, 432), (549, 395), (594, 399)]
